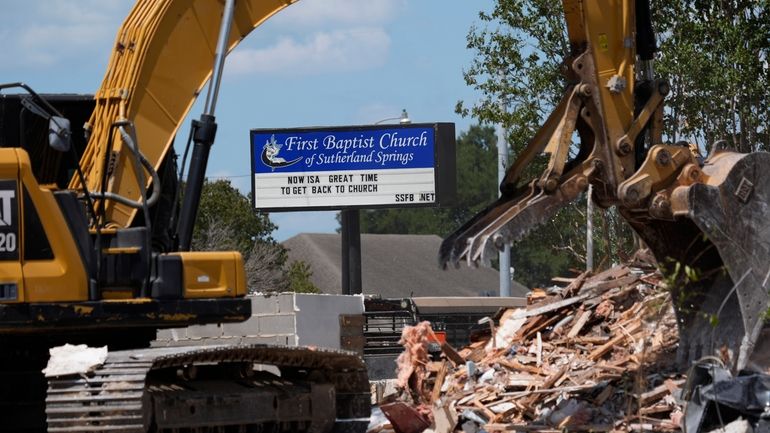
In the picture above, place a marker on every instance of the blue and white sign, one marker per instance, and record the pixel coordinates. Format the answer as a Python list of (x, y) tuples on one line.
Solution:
[(344, 167)]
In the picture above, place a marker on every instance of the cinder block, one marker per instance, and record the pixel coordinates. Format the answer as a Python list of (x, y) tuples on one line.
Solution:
[(264, 304), (242, 329), (173, 334), (286, 303), (163, 335), (277, 324), (266, 339), (207, 342), (228, 341), (204, 331)]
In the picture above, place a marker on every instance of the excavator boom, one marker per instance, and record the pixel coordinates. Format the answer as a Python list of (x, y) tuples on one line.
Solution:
[(162, 57)]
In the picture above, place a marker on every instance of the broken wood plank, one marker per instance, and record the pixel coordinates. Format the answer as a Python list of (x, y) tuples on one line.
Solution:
[(517, 394), (581, 321), (658, 408), (612, 273), (658, 392), (542, 325), (595, 288), (520, 427), (563, 280), (488, 413), (576, 285), (445, 419), (514, 364), (452, 354), (603, 349), (556, 376), (548, 307), (440, 376), (604, 395)]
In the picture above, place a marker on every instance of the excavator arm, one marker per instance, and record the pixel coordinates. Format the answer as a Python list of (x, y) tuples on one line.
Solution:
[(693, 213), (163, 55), (600, 114)]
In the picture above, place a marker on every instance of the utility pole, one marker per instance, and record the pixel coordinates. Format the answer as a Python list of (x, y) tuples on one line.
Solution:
[(505, 254)]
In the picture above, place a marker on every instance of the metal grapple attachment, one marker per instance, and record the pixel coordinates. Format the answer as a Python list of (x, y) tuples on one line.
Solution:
[(522, 207)]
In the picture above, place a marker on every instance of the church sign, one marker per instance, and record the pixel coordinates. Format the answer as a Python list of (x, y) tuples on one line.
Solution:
[(353, 167)]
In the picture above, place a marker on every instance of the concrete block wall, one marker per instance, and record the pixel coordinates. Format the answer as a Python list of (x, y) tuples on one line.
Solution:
[(318, 317), (286, 319)]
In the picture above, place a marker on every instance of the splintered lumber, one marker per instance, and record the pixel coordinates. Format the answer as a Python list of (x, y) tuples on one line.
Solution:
[(440, 376), (576, 284), (552, 306), (604, 285), (555, 377), (574, 352), (602, 350), (514, 365), (579, 324), (452, 354), (604, 395), (659, 392)]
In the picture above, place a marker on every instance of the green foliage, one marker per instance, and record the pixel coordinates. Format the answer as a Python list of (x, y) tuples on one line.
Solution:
[(221, 203), (682, 279), (476, 187), (227, 221), (299, 274), (517, 67), (715, 54), (520, 47)]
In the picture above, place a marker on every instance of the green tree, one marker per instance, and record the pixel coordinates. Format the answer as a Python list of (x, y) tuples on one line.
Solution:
[(227, 221), (715, 54), (299, 274), (476, 187), (536, 258), (222, 204)]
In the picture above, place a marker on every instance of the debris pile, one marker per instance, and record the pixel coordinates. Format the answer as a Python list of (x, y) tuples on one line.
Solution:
[(596, 354)]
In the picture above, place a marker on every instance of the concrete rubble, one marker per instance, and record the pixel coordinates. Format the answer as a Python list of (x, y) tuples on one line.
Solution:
[(594, 354)]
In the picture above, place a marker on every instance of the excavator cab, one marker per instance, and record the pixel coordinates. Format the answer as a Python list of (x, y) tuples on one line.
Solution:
[(54, 251), (701, 218)]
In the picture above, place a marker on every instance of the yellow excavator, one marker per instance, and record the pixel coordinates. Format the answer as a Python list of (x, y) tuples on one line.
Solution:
[(94, 249), (703, 215)]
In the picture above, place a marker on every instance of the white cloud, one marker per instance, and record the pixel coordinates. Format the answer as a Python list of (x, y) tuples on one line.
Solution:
[(47, 32), (352, 49), (325, 12)]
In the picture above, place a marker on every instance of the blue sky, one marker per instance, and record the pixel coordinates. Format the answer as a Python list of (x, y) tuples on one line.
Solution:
[(318, 63)]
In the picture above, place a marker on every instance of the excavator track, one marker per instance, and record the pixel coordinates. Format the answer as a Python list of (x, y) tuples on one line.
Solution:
[(214, 388)]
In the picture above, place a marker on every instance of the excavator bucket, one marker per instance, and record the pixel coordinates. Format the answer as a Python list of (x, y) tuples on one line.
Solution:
[(716, 255)]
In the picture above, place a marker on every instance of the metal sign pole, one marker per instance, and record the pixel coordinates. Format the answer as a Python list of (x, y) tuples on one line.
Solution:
[(351, 252)]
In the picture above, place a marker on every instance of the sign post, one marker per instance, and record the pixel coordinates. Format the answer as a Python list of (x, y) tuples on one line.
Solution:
[(351, 168)]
